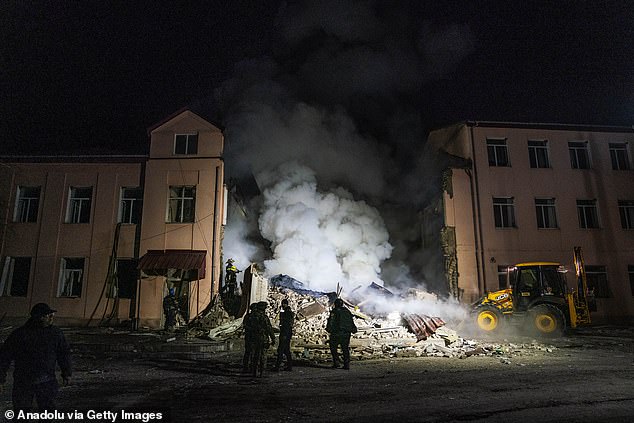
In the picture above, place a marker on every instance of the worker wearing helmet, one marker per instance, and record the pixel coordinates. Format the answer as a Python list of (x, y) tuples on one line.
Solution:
[(340, 326)]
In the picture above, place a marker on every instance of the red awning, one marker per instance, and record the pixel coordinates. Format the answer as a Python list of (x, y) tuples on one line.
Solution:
[(158, 261)]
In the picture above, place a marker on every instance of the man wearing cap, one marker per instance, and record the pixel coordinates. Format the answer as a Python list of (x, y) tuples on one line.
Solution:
[(36, 348)]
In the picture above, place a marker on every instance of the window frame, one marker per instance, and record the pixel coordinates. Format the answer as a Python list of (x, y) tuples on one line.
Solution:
[(190, 144), (626, 213), (535, 159), (604, 290), (622, 161), (504, 212), (541, 211), (8, 277), (581, 146), (65, 273), (76, 206), (19, 214), (583, 223), (496, 146), (181, 201), (135, 210)]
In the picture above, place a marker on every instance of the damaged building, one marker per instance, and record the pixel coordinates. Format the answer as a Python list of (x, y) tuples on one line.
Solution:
[(103, 238), (520, 192)]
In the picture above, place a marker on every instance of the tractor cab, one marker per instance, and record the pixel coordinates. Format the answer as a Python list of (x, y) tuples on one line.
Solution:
[(538, 282)]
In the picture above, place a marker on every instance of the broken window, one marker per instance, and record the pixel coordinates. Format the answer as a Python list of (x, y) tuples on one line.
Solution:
[(186, 144), (79, 204), (597, 280), (16, 272), (620, 156), (538, 153), (579, 156), (71, 277), (131, 205), (498, 152), (502, 277), (27, 204), (588, 214), (546, 213), (626, 210), (182, 204), (504, 212)]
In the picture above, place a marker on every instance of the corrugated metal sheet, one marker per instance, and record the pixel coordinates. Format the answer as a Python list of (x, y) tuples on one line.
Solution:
[(159, 260), (422, 325)]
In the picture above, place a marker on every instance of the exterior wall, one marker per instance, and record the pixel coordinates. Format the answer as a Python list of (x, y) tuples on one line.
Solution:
[(609, 245), (205, 170), (50, 239)]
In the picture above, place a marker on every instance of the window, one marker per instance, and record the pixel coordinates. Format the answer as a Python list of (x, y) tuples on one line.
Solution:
[(579, 156), (538, 153), (502, 276), (498, 152), (597, 278), (27, 204), (546, 214), (186, 144), (15, 276), (131, 205), (619, 155), (504, 212), (79, 203), (182, 204), (626, 210), (71, 276), (630, 274), (588, 215)]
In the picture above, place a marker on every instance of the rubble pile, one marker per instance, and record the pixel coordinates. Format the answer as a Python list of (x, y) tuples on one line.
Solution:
[(377, 337)]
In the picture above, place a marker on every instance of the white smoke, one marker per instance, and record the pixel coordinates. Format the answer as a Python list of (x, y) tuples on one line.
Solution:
[(319, 238)]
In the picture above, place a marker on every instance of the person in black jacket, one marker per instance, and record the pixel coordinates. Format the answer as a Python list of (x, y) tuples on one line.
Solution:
[(287, 318), (36, 348), (340, 326)]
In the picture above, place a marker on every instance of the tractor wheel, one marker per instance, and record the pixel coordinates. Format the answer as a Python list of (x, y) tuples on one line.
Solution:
[(489, 319), (546, 320)]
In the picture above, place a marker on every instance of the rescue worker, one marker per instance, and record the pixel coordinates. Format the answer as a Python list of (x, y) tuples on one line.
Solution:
[(340, 326), (170, 308), (36, 348), (231, 273), (287, 318), (263, 331), (249, 324)]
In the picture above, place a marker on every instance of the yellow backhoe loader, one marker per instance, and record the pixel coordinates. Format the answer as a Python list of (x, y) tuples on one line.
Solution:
[(537, 299)]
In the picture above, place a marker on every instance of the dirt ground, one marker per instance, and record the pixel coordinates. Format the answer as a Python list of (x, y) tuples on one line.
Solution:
[(585, 377)]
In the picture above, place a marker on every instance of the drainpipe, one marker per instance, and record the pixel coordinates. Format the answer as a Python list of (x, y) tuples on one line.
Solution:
[(214, 239), (137, 252), (477, 218)]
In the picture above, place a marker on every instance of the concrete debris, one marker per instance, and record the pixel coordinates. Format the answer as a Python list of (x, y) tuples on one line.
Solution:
[(377, 337)]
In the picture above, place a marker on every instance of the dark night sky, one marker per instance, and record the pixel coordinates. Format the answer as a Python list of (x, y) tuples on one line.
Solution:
[(92, 76)]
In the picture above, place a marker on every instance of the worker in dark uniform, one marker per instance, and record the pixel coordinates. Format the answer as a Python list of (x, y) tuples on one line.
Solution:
[(36, 348), (231, 277), (170, 308), (263, 331), (287, 318), (340, 326), (249, 324)]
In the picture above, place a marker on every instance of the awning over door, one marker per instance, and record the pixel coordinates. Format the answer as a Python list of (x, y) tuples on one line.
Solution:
[(158, 261)]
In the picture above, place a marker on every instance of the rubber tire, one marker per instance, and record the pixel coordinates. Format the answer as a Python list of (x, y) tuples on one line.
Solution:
[(546, 320), (489, 319)]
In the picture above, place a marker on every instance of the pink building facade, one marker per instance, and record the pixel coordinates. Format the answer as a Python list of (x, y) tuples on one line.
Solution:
[(102, 238), (531, 192)]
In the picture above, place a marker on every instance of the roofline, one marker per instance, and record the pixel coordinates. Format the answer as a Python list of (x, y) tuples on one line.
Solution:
[(552, 126), (174, 115), (101, 158)]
